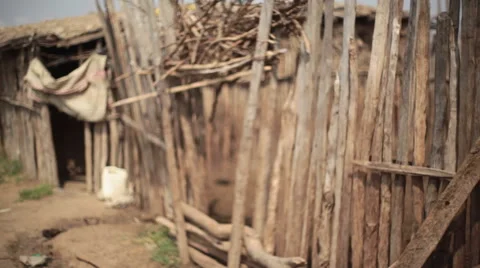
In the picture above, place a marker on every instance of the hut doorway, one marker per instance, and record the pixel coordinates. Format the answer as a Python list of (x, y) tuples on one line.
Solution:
[(68, 139), (67, 131)]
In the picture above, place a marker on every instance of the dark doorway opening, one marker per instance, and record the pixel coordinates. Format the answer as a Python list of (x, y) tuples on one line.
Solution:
[(68, 139)]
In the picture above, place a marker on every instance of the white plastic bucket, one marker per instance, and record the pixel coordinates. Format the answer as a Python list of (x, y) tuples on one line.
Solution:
[(114, 182)]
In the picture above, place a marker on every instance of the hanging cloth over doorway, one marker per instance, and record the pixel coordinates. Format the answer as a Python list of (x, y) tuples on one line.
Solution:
[(82, 93)]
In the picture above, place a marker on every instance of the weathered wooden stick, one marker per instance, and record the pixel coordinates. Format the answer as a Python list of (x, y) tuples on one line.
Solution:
[(149, 136), (442, 213), (241, 173), (177, 89)]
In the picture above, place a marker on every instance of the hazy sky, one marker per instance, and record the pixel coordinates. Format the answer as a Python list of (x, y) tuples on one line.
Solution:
[(15, 12)]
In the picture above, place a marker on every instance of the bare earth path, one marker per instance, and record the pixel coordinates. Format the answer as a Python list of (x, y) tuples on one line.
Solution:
[(105, 237)]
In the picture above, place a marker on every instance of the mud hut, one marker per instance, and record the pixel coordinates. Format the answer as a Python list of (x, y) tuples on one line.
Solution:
[(47, 141)]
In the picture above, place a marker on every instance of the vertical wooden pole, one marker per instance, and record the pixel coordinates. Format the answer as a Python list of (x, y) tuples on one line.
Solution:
[(306, 84), (422, 59), (467, 115), (399, 193), (367, 193), (265, 148), (241, 173), (281, 170), (169, 11), (345, 145), (318, 158), (328, 194), (87, 131), (386, 191)]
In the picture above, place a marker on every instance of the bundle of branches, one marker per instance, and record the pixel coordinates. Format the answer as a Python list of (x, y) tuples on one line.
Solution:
[(216, 38)]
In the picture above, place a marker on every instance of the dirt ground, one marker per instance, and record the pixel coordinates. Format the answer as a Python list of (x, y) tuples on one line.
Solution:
[(91, 232)]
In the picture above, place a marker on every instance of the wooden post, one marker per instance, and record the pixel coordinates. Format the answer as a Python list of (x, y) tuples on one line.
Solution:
[(241, 173), (318, 159), (282, 165), (306, 85), (399, 192), (443, 212), (265, 148), (386, 184), (345, 144), (87, 131), (422, 58), (367, 209)]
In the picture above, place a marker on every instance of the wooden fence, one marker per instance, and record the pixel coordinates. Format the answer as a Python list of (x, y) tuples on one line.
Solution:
[(335, 172)]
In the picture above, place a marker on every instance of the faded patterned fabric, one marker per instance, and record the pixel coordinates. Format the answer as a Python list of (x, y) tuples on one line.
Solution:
[(82, 93)]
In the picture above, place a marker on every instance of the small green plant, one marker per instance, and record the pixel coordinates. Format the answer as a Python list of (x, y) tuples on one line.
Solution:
[(165, 250), (10, 169), (36, 193)]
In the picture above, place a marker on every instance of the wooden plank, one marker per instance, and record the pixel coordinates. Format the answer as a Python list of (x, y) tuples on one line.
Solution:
[(245, 148), (443, 212)]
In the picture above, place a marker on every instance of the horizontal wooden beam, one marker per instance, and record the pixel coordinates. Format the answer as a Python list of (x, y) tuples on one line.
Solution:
[(403, 169)]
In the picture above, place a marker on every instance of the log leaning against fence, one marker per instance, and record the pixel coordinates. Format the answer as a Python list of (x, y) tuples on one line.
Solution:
[(443, 212)]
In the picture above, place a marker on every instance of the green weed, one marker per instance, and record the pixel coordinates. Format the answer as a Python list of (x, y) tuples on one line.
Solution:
[(10, 170), (165, 250), (36, 193)]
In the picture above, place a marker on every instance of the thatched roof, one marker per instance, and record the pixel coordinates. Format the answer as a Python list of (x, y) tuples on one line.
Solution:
[(58, 32)]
